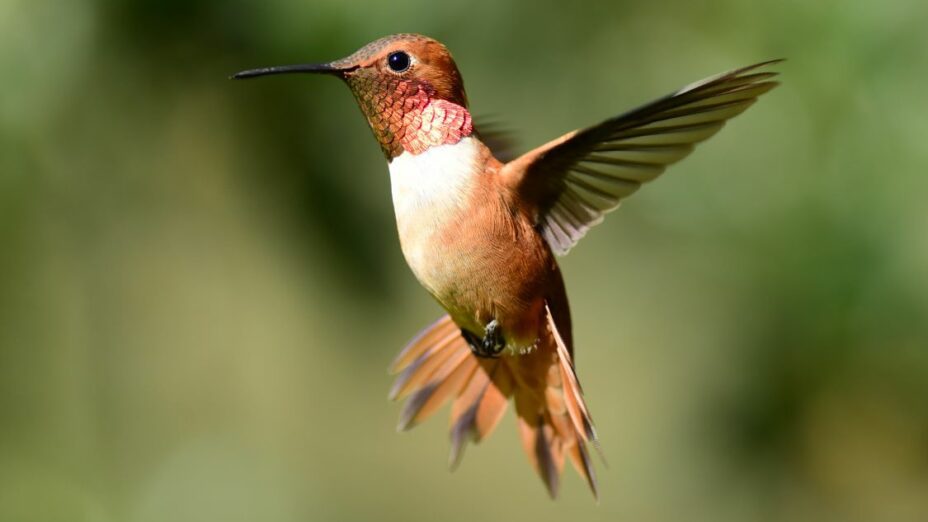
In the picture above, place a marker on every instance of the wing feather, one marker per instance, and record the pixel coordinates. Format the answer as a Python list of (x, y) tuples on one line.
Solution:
[(570, 183)]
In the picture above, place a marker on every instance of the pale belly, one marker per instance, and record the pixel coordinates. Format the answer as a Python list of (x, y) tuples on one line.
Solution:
[(475, 271), (430, 193)]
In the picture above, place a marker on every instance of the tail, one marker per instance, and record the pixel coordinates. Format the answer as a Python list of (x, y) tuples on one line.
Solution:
[(553, 419)]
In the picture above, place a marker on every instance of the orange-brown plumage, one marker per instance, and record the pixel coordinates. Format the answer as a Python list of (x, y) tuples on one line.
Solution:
[(481, 236)]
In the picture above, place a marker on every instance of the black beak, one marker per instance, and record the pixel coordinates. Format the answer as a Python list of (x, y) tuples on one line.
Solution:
[(309, 68)]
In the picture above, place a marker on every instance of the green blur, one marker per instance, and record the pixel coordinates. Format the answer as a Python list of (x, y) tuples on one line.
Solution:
[(201, 286)]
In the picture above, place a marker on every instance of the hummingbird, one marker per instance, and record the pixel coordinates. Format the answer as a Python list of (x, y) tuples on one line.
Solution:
[(481, 236)]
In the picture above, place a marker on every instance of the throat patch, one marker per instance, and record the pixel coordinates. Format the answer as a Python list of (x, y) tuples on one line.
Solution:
[(441, 122), (407, 116)]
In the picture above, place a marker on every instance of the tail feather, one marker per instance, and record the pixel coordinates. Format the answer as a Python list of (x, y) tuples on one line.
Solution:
[(444, 384), (580, 458), (423, 341), (471, 394), (479, 409), (493, 404), (577, 414), (576, 406), (464, 414), (555, 416), (421, 370), (573, 396), (557, 411), (553, 420), (539, 441)]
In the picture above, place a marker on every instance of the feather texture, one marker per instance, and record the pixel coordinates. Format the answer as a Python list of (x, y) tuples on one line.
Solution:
[(573, 181), (424, 340), (553, 420)]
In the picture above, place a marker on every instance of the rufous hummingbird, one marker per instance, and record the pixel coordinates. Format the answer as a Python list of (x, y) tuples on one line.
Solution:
[(481, 235)]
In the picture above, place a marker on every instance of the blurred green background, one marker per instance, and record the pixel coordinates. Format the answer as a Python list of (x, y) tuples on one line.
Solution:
[(201, 286)]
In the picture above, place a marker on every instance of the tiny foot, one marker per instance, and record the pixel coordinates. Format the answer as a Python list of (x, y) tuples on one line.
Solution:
[(492, 343)]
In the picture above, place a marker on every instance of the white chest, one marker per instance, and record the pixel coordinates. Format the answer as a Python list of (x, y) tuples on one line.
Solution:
[(429, 189)]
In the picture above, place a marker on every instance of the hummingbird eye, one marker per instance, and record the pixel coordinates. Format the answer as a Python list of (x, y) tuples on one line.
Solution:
[(398, 61)]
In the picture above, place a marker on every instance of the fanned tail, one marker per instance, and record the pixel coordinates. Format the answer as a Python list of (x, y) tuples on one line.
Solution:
[(438, 366), (554, 423)]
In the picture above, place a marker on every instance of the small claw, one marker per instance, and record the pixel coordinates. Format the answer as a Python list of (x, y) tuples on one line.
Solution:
[(492, 343)]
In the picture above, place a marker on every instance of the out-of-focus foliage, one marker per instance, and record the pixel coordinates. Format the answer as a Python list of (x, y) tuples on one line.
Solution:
[(200, 285)]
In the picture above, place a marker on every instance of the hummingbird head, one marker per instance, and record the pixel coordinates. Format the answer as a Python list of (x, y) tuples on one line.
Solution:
[(408, 88)]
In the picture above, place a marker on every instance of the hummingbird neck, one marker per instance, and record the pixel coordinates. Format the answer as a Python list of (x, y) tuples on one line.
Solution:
[(409, 117)]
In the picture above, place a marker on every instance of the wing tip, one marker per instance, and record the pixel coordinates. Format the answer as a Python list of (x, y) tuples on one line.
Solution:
[(753, 67), (728, 75)]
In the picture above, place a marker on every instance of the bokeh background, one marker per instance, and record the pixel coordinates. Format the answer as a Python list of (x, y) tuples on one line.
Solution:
[(201, 286)]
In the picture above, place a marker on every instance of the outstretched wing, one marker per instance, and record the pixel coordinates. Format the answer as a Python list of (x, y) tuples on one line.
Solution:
[(571, 182)]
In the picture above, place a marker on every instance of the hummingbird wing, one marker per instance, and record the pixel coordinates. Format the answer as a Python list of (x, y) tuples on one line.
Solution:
[(570, 183)]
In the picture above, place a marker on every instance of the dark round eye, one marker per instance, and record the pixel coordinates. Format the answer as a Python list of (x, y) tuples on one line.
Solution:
[(398, 61)]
